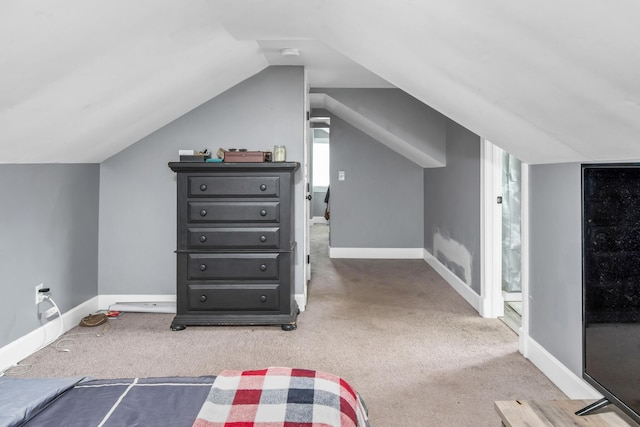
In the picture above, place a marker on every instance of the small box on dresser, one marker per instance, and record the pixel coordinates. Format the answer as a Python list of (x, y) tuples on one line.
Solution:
[(235, 244)]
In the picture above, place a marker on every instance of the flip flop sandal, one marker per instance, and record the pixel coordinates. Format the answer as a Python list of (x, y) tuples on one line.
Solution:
[(93, 319)]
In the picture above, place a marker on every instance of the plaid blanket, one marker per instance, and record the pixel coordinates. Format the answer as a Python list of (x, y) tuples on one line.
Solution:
[(281, 397)]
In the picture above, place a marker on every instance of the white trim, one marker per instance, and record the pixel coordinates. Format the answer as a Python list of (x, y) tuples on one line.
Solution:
[(28, 344), (376, 253), (307, 192), (486, 231), (570, 384), (492, 303), (302, 301), (456, 283), (104, 301), (524, 259), (319, 220), (511, 296)]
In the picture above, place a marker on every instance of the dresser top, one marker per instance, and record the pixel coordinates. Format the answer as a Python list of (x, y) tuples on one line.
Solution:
[(236, 167)]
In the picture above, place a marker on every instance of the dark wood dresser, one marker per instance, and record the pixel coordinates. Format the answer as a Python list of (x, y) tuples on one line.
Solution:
[(235, 244)]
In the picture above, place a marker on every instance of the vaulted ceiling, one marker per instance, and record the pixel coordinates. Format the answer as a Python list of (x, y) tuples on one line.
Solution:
[(549, 81)]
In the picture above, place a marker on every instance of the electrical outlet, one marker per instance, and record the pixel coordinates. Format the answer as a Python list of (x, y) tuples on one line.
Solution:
[(39, 296)]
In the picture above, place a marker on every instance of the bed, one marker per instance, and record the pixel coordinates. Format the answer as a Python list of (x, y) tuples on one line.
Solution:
[(268, 397)]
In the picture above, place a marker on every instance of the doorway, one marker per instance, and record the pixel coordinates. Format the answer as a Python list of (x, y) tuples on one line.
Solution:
[(504, 181), (512, 240), (320, 179), (320, 174)]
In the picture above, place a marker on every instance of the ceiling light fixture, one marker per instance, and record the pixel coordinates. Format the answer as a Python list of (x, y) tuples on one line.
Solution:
[(290, 51)]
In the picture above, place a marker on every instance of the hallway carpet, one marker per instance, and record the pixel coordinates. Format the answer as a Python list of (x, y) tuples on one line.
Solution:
[(415, 350)]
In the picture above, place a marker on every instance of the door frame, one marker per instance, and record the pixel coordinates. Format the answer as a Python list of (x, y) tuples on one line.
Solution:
[(306, 150), (492, 302), (524, 201)]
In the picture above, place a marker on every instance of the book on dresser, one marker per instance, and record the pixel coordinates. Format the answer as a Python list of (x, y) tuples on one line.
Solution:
[(235, 244)]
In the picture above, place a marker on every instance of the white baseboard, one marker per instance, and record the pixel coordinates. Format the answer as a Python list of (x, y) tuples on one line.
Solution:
[(456, 283), (104, 301), (570, 384), (376, 253), (319, 220), (11, 354), (28, 344)]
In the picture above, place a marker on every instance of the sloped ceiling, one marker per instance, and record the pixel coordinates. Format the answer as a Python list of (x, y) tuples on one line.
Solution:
[(548, 81), (83, 80), (391, 117)]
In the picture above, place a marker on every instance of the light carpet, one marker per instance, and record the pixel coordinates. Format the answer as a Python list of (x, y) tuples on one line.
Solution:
[(414, 349)]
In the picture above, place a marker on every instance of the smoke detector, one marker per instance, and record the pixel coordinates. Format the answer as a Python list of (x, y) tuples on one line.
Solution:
[(290, 51)]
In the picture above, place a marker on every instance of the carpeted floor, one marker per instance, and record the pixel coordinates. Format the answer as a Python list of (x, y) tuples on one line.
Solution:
[(414, 349)]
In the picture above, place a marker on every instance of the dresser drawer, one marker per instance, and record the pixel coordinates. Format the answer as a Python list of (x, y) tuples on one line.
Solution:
[(233, 211), (234, 297), (220, 238), (233, 266), (234, 186)]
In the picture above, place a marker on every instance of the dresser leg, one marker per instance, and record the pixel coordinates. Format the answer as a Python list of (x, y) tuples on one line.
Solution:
[(178, 327), (289, 327)]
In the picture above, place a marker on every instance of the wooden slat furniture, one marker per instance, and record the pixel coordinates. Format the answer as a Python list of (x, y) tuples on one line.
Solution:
[(544, 413)]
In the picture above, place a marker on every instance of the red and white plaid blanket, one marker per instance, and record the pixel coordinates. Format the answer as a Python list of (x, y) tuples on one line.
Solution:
[(281, 397)]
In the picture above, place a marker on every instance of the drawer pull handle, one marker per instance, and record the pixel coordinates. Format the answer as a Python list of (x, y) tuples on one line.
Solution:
[(203, 187), (203, 212), (203, 238), (263, 187), (203, 267), (263, 298), (263, 238), (203, 298), (263, 267), (263, 212)]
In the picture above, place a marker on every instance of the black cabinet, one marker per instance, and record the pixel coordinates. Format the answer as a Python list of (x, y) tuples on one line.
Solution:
[(235, 244)]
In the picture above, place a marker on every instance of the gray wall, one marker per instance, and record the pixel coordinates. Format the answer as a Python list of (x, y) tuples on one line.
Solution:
[(138, 190), (379, 204), (51, 214), (555, 287), (452, 206), (49, 229)]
